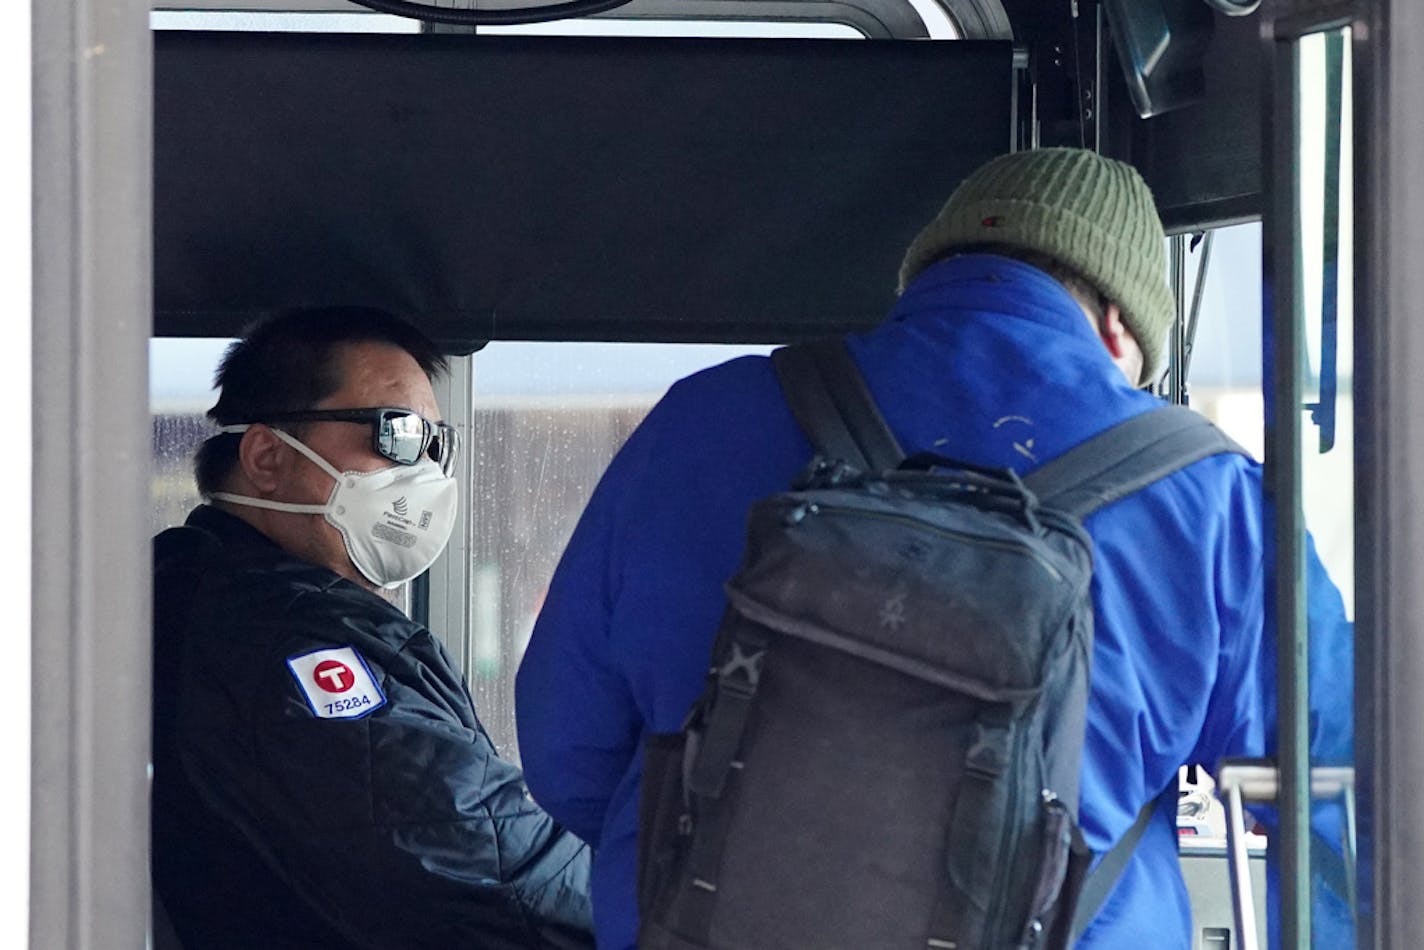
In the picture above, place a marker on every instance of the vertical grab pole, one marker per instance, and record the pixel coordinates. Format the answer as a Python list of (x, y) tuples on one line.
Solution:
[(1352, 877), (1176, 381), (1243, 905)]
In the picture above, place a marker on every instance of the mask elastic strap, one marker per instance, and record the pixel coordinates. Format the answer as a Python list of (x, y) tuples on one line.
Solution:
[(264, 503), (295, 443), (251, 502)]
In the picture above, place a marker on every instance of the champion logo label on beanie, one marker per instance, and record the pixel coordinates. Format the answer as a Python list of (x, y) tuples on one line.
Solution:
[(993, 221)]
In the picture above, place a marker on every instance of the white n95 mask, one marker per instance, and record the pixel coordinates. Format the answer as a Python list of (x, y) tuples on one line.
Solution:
[(395, 521)]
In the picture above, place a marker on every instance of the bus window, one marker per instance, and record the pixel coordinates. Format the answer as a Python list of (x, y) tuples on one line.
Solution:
[(275, 22), (1326, 304), (545, 420), (1224, 372), (180, 382), (1323, 305)]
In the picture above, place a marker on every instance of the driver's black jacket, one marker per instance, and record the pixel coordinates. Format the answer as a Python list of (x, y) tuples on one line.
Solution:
[(273, 827)]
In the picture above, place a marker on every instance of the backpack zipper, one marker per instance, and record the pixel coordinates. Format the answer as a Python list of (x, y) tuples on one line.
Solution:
[(1054, 854), (816, 508), (996, 906)]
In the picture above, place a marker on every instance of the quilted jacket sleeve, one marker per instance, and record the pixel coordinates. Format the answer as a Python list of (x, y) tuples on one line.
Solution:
[(401, 824)]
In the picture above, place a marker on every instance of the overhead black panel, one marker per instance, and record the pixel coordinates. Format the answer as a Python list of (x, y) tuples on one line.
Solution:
[(557, 188), (1204, 161)]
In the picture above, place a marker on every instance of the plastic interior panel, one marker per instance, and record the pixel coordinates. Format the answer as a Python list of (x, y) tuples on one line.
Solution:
[(1203, 161)]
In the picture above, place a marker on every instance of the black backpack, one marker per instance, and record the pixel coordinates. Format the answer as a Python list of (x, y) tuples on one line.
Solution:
[(886, 754)]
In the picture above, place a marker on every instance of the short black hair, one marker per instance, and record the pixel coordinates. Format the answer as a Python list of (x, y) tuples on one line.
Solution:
[(285, 364)]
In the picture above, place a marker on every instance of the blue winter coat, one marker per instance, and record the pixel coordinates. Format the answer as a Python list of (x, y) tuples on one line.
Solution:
[(984, 359)]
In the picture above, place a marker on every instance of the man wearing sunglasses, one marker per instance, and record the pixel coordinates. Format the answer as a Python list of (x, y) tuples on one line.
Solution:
[(320, 776)]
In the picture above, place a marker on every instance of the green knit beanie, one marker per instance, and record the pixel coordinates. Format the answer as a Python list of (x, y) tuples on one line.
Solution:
[(1092, 213)]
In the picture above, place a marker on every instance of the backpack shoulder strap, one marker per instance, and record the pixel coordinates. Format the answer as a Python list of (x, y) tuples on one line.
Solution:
[(1100, 880), (833, 406), (1131, 455)]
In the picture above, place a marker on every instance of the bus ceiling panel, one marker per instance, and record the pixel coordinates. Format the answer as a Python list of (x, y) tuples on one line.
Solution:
[(263, 6), (979, 19), (972, 19), (557, 188), (877, 19)]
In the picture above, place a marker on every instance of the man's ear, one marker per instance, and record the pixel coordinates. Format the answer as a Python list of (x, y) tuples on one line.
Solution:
[(264, 458), (1122, 346), (1113, 330)]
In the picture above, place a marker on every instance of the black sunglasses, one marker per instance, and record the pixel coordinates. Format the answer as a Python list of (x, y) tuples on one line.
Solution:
[(401, 435)]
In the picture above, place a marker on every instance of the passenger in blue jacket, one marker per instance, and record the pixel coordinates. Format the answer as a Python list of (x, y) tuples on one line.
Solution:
[(321, 779), (1034, 309)]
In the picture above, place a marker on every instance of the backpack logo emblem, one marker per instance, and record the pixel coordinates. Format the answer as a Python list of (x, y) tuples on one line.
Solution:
[(892, 612)]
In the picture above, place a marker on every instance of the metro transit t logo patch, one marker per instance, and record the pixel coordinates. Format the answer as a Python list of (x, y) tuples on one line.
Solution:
[(334, 676), (336, 683)]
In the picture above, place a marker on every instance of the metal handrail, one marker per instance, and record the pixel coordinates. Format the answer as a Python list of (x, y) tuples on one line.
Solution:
[(1258, 781)]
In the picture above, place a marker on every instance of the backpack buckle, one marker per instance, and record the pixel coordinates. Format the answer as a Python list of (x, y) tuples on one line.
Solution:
[(1028, 502), (988, 755), (825, 472), (713, 753), (743, 662)]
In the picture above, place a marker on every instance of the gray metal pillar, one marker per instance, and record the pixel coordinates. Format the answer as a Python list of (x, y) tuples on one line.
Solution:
[(1290, 847), (1391, 469), (92, 314), (447, 611)]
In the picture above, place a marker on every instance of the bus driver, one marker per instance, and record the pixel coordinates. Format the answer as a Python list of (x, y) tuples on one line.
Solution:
[(321, 778)]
